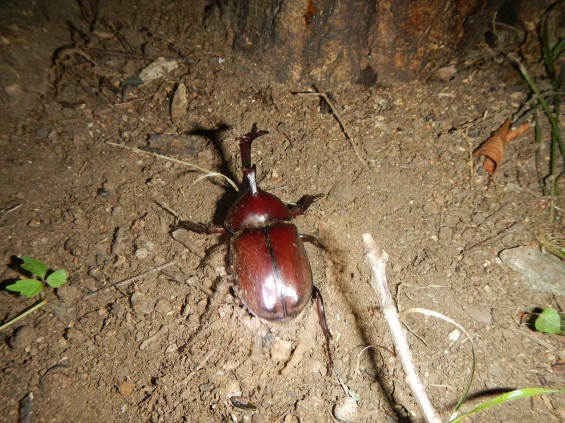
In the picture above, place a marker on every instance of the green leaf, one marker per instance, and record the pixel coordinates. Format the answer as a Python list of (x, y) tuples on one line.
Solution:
[(558, 48), (37, 267), (549, 321), (58, 278), (509, 396), (26, 287)]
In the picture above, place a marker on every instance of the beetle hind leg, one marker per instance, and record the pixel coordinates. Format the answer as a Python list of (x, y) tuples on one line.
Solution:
[(317, 296)]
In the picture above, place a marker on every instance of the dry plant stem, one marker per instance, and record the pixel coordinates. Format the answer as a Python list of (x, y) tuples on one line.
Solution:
[(342, 124), (137, 150), (129, 280), (377, 259)]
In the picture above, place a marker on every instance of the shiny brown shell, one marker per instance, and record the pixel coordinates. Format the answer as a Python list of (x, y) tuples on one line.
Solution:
[(273, 275)]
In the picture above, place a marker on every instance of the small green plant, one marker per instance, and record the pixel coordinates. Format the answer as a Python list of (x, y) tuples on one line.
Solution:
[(545, 320), (548, 324), (549, 101), (30, 287)]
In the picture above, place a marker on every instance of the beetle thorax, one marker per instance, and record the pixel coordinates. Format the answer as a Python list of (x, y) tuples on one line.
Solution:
[(255, 207)]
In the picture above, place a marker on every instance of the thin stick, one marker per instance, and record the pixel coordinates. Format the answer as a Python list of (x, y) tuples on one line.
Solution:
[(377, 259), (341, 123), (129, 280), (138, 150), (199, 366), (130, 55)]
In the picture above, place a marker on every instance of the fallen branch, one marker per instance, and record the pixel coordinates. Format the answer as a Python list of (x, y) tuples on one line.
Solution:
[(377, 259)]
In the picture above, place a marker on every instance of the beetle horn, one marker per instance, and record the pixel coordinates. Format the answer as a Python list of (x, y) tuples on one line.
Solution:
[(249, 179), (245, 145)]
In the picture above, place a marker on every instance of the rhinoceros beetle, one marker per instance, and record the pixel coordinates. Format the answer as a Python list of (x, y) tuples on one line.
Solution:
[(271, 271)]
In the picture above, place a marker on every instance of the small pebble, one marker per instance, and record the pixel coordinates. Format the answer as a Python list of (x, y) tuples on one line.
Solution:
[(68, 294), (172, 348), (346, 409), (126, 388), (141, 304), (281, 350), (73, 248), (23, 337), (95, 273), (142, 253), (454, 335), (163, 306)]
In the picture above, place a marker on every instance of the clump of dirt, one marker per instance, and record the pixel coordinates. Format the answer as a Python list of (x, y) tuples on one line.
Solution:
[(172, 342)]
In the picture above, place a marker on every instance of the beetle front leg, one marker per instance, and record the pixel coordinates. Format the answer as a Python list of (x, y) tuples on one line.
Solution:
[(200, 228), (317, 296), (303, 204)]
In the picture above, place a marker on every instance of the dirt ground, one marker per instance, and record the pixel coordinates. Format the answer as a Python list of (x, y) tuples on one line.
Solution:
[(176, 344)]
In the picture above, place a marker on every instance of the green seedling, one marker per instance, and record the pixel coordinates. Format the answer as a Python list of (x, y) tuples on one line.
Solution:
[(546, 320), (550, 321), (31, 287)]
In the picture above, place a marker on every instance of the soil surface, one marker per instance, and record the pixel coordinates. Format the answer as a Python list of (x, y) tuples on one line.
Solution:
[(176, 344)]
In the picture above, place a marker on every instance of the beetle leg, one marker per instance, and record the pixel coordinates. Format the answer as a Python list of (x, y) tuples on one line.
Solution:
[(302, 204), (317, 296), (312, 240), (200, 228)]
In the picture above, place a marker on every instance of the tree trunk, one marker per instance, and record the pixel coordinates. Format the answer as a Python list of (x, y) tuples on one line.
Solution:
[(332, 41)]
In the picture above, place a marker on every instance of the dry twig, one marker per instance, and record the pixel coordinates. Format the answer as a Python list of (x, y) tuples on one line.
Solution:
[(377, 259), (129, 280), (337, 115)]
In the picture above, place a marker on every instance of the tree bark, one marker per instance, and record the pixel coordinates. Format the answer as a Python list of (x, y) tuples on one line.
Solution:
[(332, 41)]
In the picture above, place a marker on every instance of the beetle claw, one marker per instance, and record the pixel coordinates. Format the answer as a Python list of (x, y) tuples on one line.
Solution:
[(303, 204)]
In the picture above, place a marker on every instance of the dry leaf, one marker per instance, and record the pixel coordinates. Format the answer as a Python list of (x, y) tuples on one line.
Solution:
[(493, 147)]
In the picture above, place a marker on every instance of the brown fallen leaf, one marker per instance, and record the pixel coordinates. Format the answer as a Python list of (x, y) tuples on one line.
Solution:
[(493, 147)]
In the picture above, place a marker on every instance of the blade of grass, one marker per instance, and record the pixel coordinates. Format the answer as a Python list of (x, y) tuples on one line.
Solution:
[(548, 57), (537, 137), (553, 120), (509, 396), (23, 314)]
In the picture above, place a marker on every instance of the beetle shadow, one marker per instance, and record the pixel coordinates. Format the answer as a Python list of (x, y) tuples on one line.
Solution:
[(215, 137), (341, 285)]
